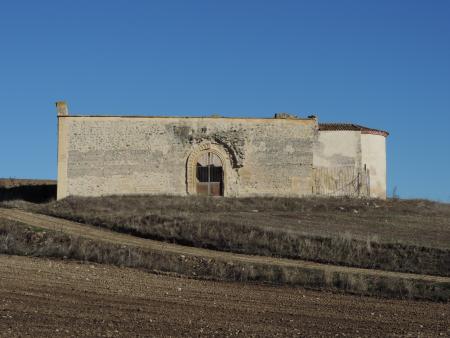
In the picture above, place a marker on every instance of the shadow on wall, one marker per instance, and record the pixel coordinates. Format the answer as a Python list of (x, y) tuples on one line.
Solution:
[(39, 193)]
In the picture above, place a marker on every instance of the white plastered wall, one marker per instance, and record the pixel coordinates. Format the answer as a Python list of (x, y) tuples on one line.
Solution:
[(338, 148), (373, 150)]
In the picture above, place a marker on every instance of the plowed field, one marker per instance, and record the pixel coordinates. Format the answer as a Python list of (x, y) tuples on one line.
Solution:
[(41, 297)]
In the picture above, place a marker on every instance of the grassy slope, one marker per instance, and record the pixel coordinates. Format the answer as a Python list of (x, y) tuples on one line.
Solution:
[(397, 235), (19, 239)]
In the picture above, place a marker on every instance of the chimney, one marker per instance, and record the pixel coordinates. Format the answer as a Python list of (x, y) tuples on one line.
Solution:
[(62, 109), (283, 115)]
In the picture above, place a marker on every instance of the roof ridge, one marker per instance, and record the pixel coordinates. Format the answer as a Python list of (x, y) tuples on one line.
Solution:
[(333, 126)]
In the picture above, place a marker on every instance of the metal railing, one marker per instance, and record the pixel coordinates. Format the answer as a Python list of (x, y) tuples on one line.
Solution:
[(343, 181)]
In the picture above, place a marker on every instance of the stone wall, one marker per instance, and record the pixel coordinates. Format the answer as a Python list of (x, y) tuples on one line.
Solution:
[(150, 155)]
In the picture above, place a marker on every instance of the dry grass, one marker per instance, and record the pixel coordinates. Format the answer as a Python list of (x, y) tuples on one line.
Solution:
[(19, 239), (397, 235), (19, 182)]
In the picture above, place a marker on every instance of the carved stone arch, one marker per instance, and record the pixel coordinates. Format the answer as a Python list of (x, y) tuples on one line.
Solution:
[(191, 164)]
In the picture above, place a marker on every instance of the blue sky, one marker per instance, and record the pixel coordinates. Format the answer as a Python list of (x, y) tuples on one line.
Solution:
[(384, 64)]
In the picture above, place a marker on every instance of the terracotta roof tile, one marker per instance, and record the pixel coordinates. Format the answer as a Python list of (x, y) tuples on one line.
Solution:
[(351, 127)]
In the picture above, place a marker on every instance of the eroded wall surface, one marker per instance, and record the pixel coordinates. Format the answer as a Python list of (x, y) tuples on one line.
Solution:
[(140, 155)]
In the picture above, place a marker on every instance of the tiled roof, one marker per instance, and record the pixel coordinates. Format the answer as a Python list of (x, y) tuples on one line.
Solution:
[(351, 127)]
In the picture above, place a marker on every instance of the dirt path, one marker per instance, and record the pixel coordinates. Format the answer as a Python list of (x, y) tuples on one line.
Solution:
[(41, 297), (97, 233)]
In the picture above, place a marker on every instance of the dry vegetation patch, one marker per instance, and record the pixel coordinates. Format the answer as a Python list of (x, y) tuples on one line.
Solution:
[(19, 239), (397, 235)]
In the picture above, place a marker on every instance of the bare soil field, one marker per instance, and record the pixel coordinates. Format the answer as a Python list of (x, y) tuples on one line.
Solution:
[(41, 297)]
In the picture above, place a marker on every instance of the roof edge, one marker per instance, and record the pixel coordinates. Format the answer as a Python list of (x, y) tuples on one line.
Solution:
[(187, 117), (351, 127)]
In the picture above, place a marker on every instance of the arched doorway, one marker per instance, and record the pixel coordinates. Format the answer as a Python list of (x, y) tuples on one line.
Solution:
[(207, 170), (209, 174)]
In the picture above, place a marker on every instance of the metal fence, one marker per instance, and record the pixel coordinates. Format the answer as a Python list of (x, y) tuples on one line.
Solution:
[(344, 181)]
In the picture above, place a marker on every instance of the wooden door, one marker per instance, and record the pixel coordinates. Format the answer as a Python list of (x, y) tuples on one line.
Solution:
[(209, 175)]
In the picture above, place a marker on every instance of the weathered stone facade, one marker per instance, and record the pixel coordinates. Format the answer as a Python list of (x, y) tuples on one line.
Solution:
[(104, 155)]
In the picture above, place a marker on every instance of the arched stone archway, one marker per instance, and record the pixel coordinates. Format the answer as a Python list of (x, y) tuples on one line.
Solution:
[(206, 170)]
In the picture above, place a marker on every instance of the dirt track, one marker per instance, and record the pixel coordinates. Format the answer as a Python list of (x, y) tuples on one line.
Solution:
[(41, 297), (102, 234)]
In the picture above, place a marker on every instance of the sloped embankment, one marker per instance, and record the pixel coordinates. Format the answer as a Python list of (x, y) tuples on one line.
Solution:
[(395, 235), (69, 239)]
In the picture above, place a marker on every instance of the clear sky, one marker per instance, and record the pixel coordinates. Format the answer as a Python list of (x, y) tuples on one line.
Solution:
[(383, 64)]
